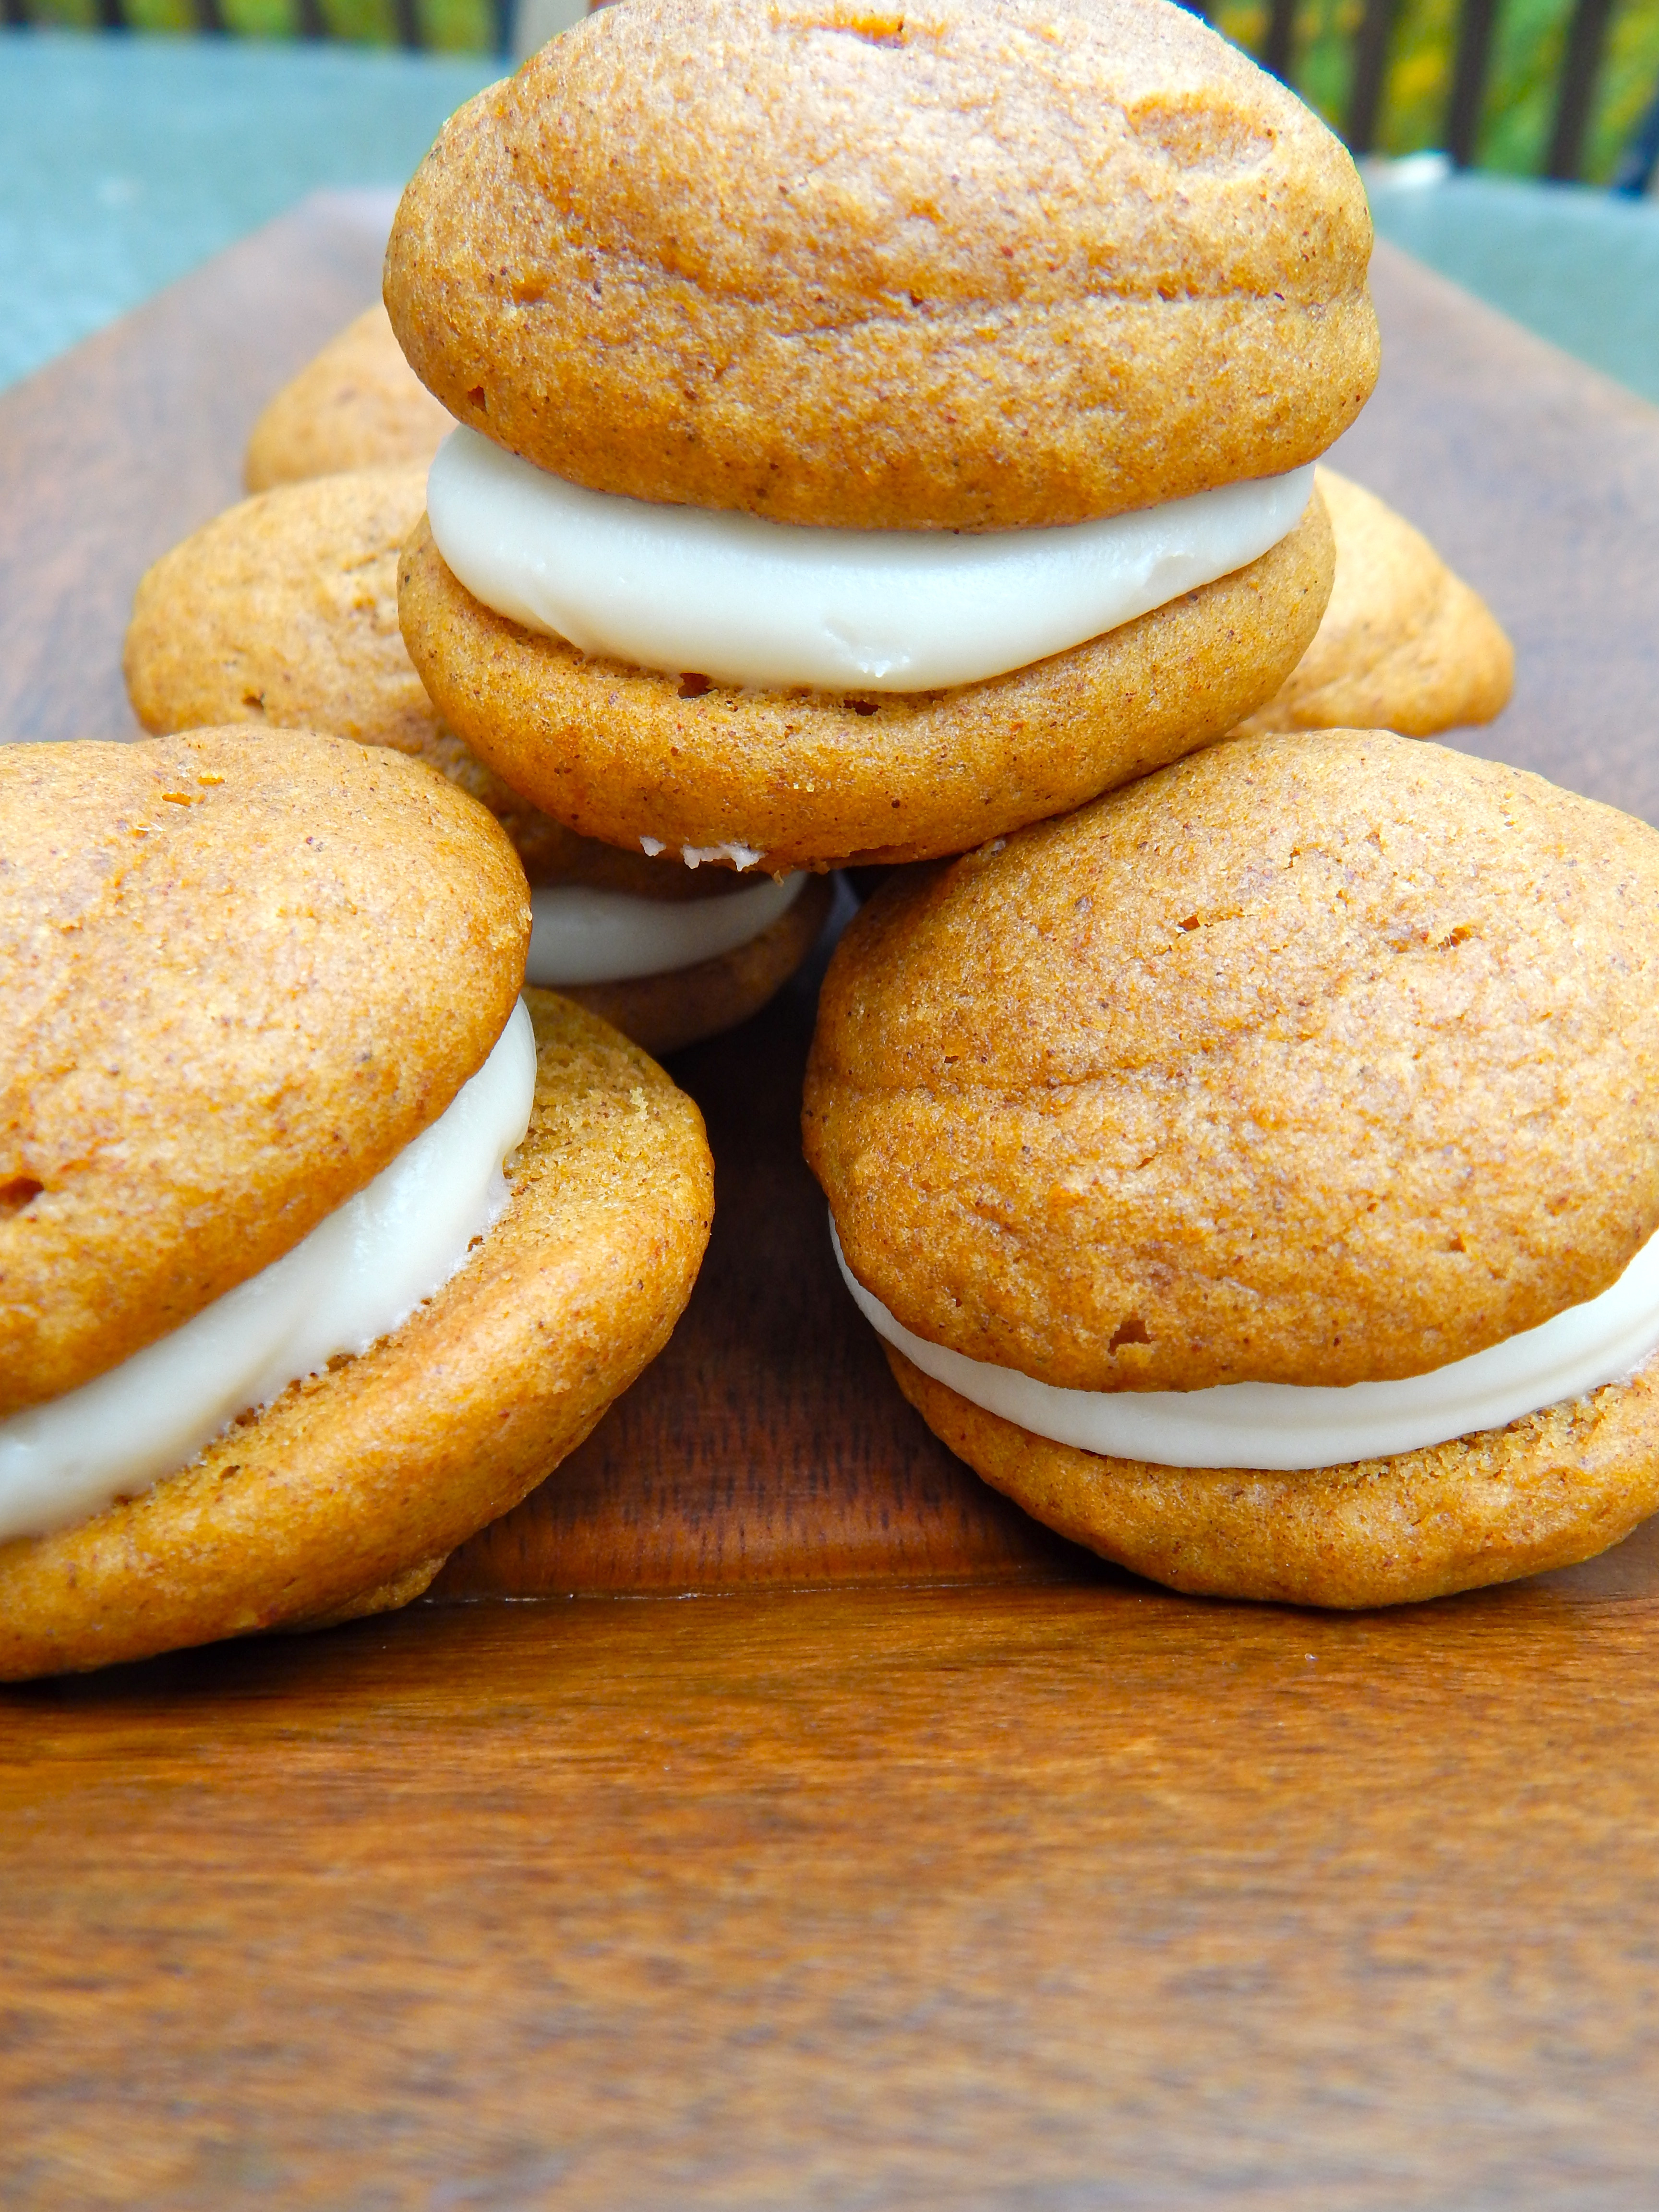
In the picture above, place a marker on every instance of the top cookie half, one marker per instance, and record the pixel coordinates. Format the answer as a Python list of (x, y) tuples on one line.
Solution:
[(981, 264), (243, 969)]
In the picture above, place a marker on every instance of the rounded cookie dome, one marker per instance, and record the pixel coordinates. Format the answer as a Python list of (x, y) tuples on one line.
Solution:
[(1403, 644), (243, 968), (978, 265), (356, 405), (284, 611), (1312, 1060)]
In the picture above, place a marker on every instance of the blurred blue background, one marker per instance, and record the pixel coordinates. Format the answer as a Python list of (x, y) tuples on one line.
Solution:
[(126, 161)]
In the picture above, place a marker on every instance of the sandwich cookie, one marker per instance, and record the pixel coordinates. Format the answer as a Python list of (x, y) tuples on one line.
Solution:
[(357, 405), (1403, 644), (282, 612), (1254, 1174), (876, 432), (317, 1249)]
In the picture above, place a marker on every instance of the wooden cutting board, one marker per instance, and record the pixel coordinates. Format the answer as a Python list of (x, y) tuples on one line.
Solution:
[(1053, 1892)]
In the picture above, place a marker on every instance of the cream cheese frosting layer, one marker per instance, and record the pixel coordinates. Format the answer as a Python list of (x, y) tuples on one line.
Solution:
[(741, 600), (580, 935), (359, 1273), (1288, 1427)]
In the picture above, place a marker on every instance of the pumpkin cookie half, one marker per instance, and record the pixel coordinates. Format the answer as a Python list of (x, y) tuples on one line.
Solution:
[(1404, 644), (282, 613), (875, 435), (357, 405), (1253, 1173), (276, 1331)]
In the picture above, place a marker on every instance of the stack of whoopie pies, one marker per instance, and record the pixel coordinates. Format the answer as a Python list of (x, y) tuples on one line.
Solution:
[(843, 478), (879, 438)]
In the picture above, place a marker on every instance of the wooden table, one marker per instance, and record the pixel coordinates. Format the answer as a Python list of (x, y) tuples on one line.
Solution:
[(1043, 1889)]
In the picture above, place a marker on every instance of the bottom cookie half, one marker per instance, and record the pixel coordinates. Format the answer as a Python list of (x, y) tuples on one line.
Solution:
[(344, 1496), (1403, 645), (811, 780), (1546, 1492)]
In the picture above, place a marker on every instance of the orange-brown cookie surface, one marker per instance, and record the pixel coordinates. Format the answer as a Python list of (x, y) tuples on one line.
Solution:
[(357, 405), (981, 265), (811, 780), (243, 970), (344, 1495), (282, 612), (1546, 1492), (1311, 1060), (1403, 645)]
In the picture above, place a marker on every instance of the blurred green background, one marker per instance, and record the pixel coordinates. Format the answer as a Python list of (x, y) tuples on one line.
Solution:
[(1520, 102), (465, 26)]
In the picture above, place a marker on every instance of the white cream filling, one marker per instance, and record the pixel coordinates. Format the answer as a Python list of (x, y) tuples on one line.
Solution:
[(1288, 1426), (360, 1273), (693, 856), (580, 935), (685, 589)]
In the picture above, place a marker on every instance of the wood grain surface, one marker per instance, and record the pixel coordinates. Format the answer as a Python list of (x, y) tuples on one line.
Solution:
[(1026, 1900), (1052, 1892), (1538, 479)]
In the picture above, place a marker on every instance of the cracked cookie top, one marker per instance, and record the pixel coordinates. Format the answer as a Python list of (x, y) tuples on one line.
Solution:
[(977, 265), (1322, 1058), (244, 968)]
